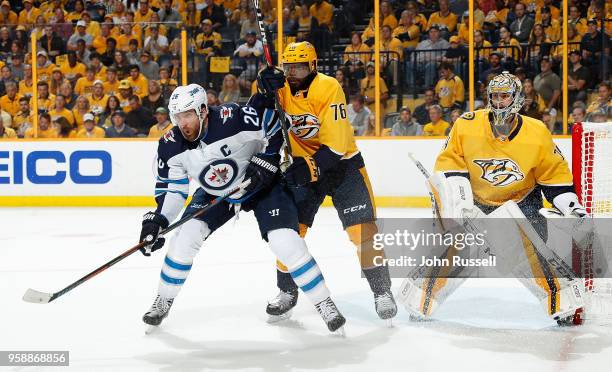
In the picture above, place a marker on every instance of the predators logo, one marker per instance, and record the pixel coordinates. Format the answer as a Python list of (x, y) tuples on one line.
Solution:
[(499, 172), (304, 126)]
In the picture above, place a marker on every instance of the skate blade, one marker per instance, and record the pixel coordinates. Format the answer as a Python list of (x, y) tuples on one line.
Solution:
[(279, 318), (151, 329), (389, 323), (340, 332)]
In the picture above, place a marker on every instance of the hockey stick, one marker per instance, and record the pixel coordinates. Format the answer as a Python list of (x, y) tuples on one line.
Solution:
[(38, 297), (266, 47)]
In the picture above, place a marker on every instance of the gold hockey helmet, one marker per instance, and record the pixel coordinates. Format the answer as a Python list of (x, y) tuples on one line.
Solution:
[(302, 52)]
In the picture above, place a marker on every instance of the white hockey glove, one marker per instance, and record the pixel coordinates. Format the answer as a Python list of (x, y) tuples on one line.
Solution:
[(453, 195), (569, 205)]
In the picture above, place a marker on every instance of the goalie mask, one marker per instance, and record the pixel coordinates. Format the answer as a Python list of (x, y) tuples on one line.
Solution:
[(187, 98), (505, 96)]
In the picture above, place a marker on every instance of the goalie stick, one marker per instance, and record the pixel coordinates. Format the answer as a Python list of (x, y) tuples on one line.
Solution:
[(38, 297)]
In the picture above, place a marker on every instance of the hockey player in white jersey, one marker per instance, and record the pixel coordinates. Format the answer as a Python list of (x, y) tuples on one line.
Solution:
[(220, 147)]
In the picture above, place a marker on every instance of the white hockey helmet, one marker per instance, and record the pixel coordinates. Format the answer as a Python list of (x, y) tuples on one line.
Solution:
[(510, 85), (185, 98)]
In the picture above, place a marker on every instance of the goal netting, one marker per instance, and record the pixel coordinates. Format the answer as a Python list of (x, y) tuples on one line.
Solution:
[(592, 169)]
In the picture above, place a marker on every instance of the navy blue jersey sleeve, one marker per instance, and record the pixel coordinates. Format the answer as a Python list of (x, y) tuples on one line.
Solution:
[(271, 124), (172, 182)]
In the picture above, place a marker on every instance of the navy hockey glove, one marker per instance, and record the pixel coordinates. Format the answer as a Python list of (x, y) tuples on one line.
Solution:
[(270, 79), (302, 171), (152, 223), (261, 170)]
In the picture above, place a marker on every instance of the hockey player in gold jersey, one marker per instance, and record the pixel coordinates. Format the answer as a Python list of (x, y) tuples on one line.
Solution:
[(508, 156), (326, 162), (501, 163)]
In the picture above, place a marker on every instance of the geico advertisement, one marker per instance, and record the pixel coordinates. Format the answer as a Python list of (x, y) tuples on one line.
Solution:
[(124, 168), (76, 168)]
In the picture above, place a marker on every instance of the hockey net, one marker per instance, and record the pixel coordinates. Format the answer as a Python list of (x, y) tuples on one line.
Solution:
[(592, 169)]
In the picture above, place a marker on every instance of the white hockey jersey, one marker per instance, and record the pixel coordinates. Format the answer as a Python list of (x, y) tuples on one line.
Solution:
[(218, 160)]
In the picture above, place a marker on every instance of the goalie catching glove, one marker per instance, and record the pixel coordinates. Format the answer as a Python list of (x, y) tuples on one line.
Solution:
[(152, 224), (568, 204), (261, 171)]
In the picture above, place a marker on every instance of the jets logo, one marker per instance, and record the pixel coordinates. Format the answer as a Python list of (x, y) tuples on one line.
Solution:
[(219, 174), (499, 172), (225, 113), (304, 126), (169, 136)]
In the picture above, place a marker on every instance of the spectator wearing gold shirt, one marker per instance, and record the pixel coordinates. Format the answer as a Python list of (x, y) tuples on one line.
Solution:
[(45, 129), (28, 15), (60, 109), (437, 126), (90, 129), (449, 89), (139, 83), (44, 67), (97, 99), (72, 68), (85, 84), (356, 62), (24, 119), (7, 16), (367, 87), (163, 124), (144, 12), (10, 101), (552, 27), (407, 31), (444, 19), (45, 100), (576, 20), (111, 85), (323, 12), (391, 54), (125, 93), (79, 110), (26, 86)]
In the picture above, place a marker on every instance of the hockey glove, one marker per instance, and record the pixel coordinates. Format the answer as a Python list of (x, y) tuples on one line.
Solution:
[(152, 223), (568, 204), (302, 171), (261, 170), (270, 79)]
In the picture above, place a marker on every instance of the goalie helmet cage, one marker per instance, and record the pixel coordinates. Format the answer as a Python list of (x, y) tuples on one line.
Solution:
[(592, 171)]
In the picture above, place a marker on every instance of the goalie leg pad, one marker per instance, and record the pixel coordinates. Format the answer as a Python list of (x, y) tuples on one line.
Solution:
[(426, 288), (541, 270)]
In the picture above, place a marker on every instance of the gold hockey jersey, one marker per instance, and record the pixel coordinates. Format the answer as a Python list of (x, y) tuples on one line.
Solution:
[(318, 117), (503, 169)]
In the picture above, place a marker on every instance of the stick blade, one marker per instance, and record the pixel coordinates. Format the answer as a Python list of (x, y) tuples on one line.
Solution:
[(37, 297)]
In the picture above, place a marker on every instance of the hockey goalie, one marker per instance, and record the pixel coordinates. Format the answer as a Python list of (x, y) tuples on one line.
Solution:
[(497, 163)]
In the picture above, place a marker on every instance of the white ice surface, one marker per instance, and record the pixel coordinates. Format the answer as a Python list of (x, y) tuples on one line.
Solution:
[(218, 321)]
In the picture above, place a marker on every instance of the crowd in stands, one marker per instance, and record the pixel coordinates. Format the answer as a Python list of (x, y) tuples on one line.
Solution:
[(106, 68), (424, 47)]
